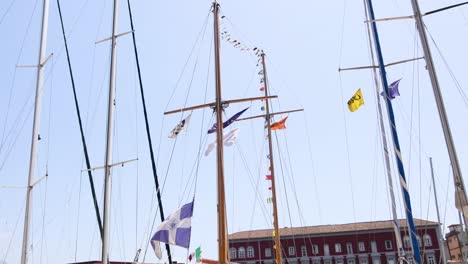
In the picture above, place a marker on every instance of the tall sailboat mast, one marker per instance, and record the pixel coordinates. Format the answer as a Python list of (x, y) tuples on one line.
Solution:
[(396, 143), (35, 131), (396, 224), (457, 175), (440, 238), (222, 228), (272, 167), (109, 141)]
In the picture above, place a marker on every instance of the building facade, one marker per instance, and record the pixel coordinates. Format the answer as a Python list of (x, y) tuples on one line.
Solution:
[(457, 244), (356, 243)]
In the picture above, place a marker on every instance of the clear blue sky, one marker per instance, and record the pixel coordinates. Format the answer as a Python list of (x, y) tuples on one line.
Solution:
[(331, 159)]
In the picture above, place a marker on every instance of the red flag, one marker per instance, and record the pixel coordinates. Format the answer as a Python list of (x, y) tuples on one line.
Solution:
[(267, 177), (262, 89), (269, 188), (279, 125)]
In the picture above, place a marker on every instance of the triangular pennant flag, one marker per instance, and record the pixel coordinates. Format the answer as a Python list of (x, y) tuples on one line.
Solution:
[(279, 125), (227, 122)]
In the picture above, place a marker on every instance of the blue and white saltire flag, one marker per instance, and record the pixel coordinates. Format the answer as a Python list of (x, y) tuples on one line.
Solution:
[(175, 230)]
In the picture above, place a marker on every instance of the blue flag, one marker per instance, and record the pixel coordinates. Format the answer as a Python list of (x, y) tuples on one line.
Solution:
[(227, 122)]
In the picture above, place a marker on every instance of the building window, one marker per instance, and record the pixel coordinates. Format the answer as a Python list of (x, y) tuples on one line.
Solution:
[(363, 260), (250, 252), (326, 250), (406, 242), (351, 261), (376, 260), (410, 259), (427, 240), (419, 240), (388, 244), (339, 261), (292, 251), (232, 253), (431, 259), (361, 247), (315, 249), (327, 261), (349, 248), (267, 252), (337, 248), (316, 261), (391, 260), (303, 251), (373, 246), (241, 252)]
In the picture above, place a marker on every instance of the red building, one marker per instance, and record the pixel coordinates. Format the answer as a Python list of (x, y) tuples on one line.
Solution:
[(357, 243)]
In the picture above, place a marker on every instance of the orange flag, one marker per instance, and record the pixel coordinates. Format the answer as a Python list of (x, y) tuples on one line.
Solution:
[(279, 125)]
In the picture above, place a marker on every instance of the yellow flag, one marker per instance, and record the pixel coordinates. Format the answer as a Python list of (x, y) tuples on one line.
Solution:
[(273, 233), (356, 101)]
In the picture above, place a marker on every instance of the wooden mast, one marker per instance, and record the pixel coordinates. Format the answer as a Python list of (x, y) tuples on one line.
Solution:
[(222, 230), (277, 246)]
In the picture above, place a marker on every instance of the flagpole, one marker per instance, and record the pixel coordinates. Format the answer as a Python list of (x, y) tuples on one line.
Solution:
[(272, 167), (222, 232), (396, 143)]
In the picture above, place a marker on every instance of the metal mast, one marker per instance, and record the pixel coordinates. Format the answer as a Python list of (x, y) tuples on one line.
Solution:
[(272, 167), (396, 224), (457, 175), (148, 134), (222, 230), (396, 143), (35, 132), (109, 142), (441, 239)]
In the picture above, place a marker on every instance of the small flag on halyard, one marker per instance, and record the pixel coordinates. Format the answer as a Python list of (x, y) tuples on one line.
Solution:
[(227, 122), (175, 230), (269, 200), (229, 139), (267, 177), (182, 126), (279, 125), (196, 254), (393, 90), (356, 101)]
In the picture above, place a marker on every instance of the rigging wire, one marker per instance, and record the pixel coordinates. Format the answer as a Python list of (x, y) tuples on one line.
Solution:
[(2, 141), (456, 82)]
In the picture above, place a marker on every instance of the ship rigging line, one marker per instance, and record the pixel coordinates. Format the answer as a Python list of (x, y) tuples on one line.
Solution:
[(457, 84), (148, 134), (83, 141)]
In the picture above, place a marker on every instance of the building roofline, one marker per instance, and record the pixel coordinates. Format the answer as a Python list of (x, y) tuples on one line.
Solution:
[(327, 229)]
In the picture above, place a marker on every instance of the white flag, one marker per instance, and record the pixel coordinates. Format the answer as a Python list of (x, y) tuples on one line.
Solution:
[(182, 126), (229, 139)]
